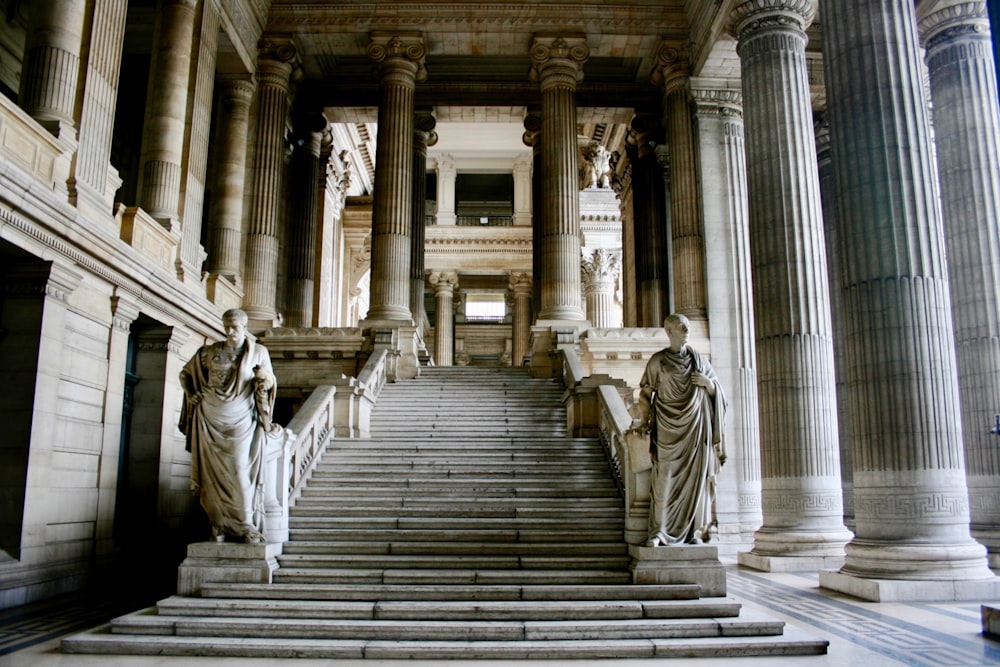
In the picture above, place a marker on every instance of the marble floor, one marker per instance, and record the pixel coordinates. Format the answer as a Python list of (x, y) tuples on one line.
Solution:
[(860, 633)]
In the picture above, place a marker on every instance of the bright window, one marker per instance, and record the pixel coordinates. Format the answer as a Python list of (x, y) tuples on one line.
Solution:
[(485, 306)]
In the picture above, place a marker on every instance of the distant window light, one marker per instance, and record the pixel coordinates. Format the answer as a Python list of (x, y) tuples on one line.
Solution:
[(485, 307)]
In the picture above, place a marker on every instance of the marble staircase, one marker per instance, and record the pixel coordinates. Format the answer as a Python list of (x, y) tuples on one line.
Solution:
[(467, 527)]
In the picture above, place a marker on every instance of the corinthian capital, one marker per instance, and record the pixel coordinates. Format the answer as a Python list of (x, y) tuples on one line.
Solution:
[(405, 51), (751, 16), (558, 59), (941, 21)]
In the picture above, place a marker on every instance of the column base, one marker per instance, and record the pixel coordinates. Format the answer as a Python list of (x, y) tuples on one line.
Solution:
[(788, 563), (683, 564), (226, 562), (910, 590)]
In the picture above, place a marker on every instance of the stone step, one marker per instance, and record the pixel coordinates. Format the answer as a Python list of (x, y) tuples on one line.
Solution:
[(320, 509), (442, 561), (373, 593), (493, 549), (580, 483), (482, 471), (456, 524), (792, 642), (385, 500), (317, 532), (449, 610), (449, 576)]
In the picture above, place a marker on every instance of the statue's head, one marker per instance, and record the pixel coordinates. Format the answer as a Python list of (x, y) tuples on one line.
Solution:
[(677, 327), (235, 321)]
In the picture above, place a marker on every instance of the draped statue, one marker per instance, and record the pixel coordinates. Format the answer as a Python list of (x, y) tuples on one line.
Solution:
[(229, 391), (682, 405)]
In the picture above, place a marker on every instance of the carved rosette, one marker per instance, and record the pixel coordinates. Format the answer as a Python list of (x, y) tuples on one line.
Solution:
[(944, 24), (558, 61), (399, 56)]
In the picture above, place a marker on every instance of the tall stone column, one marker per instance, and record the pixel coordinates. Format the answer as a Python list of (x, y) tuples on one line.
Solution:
[(622, 185), (522, 191), (520, 287), (722, 153), (446, 175), (166, 112), (557, 63), (303, 222), (275, 62), (832, 233), (687, 240), (400, 63), (444, 283), (423, 136), (52, 63), (967, 131), (802, 504), (225, 233), (910, 496), (652, 259), (533, 137), (94, 182), (600, 272)]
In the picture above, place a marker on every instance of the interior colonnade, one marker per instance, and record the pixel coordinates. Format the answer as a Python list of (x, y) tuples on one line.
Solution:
[(826, 245)]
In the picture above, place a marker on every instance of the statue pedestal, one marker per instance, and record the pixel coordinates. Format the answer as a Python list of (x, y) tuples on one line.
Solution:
[(686, 564), (226, 562)]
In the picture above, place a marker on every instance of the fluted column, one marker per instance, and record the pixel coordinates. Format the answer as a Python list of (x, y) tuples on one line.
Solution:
[(621, 182), (166, 112), (423, 136), (649, 205), (722, 153), (303, 221), (520, 287), (533, 137), (687, 241), (600, 273), (444, 283), (225, 233), (276, 60), (446, 175), (93, 182), (967, 131), (833, 230), (802, 504), (910, 495), (51, 64), (557, 63), (400, 64)]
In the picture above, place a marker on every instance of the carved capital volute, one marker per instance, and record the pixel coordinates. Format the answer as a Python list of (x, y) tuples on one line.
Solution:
[(398, 56), (558, 60), (673, 67), (520, 285), (443, 282), (943, 21), (424, 135)]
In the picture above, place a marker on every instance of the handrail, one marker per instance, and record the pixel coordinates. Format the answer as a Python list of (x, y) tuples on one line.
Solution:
[(628, 451)]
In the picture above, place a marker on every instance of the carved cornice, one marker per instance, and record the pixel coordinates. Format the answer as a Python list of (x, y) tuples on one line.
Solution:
[(754, 16), (942, 21), (398, 53), (717, 101)]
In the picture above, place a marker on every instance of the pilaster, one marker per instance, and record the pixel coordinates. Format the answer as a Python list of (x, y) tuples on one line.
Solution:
[(277, 58), (802, 501), (960, 60), (522, 191), (446, 175), (910, 494)]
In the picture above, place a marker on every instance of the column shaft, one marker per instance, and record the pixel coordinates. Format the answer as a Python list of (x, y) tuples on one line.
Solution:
[(533, 137), (398, 63), (967, 131), (521, 286), (52, 62), (166, 112), (802, 502), (444, 328), (558, 66), (226, 220), (911, 503), (721, 149), (303, 226), (260, 279), (423, 136)]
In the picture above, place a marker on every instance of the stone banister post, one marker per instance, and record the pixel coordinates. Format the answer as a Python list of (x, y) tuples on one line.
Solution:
[(802, 501)]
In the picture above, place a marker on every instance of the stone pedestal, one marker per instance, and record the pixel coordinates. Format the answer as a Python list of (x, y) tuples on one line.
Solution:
[(223, 562), (689, 564), (796, 563), (910, 590)]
